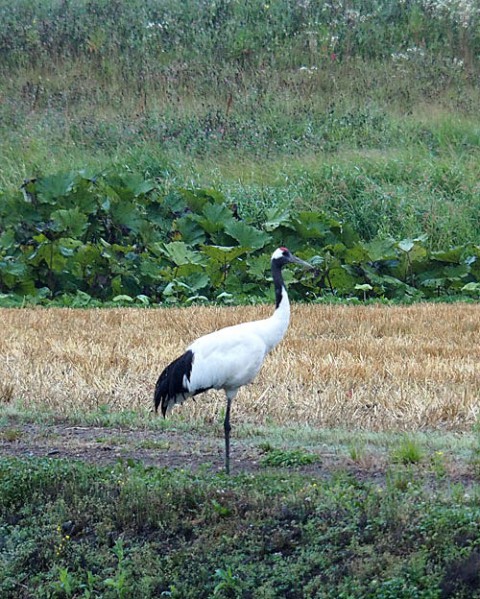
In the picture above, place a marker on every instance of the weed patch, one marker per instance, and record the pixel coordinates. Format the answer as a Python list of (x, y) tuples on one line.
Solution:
[(407, 452), (288, 457), (11, 435), (136, 531)]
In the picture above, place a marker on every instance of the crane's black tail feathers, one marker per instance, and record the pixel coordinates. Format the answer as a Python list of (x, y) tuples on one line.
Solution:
[(171, 385)]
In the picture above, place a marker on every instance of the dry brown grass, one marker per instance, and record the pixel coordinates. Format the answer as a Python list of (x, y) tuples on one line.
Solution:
[(372, 367)]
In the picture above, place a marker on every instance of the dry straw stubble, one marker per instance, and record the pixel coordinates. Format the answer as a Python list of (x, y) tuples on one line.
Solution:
[(364, 367)]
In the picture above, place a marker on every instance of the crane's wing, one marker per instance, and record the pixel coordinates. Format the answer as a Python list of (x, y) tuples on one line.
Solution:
[(226, 359), (170, 388)]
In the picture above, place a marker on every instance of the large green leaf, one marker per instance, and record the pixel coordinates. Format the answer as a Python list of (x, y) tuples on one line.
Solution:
[(21, 215), (195, 199), (380, 249), (288, 238), (25, 287), (179, 253), (7, 239), (68, 247), (190, 230), (151, 269), (356, 255), (418, 253), (216, 217), (127, 186), (15, 268), (246, 235), (84, 196), (54, 187), (223, 254), (434, 284), (137, 185), (88, 263), (341, 280), (472, 287), (406, 245), (71, 222), (126, 213), (456, 272), (215, 195), (16, 276), (257, 266), (88, 254), (174, 202), (453, 255), (48, 252), (196, 280), (349, 236), (310, 225), (275, 217), (155, 215), (114, 250)]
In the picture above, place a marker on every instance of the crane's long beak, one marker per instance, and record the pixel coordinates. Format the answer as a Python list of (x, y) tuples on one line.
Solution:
[(296, 260)]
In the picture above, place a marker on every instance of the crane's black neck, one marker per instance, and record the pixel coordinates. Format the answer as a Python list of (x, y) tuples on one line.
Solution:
[(277, 282)]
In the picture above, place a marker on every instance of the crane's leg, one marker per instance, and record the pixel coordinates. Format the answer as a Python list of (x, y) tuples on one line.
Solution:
[(227, 428)]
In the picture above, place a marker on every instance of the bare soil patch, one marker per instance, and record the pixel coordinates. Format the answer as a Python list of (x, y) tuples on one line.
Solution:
[(102, 446)]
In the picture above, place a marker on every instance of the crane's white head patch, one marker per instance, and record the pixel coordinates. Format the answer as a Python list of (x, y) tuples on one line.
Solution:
[(279, 253)]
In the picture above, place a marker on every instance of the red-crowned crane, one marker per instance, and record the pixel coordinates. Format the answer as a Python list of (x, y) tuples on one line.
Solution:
[(229, 358)]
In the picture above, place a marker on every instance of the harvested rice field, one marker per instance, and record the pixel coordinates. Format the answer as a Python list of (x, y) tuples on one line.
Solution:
[(379, 368)]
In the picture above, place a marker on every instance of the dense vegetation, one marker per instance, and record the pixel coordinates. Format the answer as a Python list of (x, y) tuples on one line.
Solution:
[(72, 530), (119, 237), (257, 32), (366, 111)]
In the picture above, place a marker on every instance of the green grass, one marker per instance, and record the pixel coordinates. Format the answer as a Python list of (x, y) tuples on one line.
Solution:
[(287, 457), (396, 517), (368, 115), (408, 452), (402, 190), (133, 531)]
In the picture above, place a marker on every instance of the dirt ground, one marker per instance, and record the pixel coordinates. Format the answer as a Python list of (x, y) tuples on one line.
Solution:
[(102, 446), (170, 449), (177, 449)]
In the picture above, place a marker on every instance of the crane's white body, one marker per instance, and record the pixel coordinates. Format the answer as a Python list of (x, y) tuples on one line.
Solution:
[(232, 357), (229, 358)]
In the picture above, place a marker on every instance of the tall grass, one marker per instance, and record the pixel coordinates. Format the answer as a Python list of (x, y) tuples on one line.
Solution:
[(367, 109), (255, 32)]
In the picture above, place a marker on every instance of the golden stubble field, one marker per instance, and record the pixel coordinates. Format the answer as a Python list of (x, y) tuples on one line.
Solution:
[(364, 367)]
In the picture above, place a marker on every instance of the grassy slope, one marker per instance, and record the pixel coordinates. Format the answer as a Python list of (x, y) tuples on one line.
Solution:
[(371, 116)]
